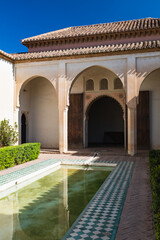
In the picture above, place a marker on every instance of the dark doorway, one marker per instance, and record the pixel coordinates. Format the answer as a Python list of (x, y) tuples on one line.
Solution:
[(143, 123), (75, 121), (23, 128), (105, 123)]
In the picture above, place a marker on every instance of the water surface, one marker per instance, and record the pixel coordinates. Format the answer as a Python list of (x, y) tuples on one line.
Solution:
[(46, 209)]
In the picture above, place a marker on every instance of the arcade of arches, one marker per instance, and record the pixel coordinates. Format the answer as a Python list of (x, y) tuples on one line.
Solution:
[(97, 113), (105, 123)]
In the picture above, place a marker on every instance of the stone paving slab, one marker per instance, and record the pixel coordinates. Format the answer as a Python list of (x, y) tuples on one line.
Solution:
[(137, 217)]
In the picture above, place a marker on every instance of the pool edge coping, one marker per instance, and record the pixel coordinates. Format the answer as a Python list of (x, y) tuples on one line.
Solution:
[(6, 186), (80, 163)]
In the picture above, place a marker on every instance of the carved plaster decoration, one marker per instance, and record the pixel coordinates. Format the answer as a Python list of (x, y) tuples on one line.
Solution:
[(91, 97)]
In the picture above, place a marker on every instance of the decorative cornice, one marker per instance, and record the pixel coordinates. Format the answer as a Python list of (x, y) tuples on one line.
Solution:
[(97, 29), (104, 50), (93, 40)]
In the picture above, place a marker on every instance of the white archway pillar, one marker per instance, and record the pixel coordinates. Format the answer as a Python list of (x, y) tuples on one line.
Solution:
[(132, 127), (131, 89), (63, 130), (63, 108)]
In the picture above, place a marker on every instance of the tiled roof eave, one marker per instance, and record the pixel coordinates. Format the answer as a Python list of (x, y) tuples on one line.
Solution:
[(96, 29), (27, 42), (6, 56), (104, 49)]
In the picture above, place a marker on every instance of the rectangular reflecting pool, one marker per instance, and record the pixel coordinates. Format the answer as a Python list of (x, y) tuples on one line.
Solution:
[(47, 208)]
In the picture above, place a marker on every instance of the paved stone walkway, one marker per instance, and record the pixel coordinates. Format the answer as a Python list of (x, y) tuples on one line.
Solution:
[(136, 222), (137, 218)]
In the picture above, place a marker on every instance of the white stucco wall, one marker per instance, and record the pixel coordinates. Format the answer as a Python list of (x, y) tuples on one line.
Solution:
[(39, 101), (6, 90), (78, 86), (118, 66), (152, 84)]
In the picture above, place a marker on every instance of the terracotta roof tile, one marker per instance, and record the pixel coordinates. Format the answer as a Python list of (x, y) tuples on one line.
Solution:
[(122, 47), (87, 50), (104, 28), (6, 55)]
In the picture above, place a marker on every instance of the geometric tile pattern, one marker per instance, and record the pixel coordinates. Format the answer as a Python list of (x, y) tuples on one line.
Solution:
[(100, 219), (25, 171), (38, 166), (73, 161)]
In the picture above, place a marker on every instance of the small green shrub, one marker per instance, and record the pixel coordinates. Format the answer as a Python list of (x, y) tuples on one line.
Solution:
[(14, 155), (154, 162), (8, 133), (154, 154)]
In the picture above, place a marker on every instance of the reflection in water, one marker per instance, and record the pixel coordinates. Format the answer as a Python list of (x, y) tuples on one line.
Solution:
[(46, 209)]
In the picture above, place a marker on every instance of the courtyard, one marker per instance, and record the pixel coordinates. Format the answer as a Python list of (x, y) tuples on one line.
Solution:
[(135, 219), (89, 97)]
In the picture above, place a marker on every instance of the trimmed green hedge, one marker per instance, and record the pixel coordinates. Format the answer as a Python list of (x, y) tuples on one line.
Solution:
[(154, 161), (14, 155)]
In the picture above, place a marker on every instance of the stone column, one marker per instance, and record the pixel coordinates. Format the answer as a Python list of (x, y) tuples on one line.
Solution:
[(131, 86), (132, 127), (63, 108), (125, 132)]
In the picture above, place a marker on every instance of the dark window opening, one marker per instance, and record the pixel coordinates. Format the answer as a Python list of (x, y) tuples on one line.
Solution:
[(103, 84), (23, 128), (89, 85)]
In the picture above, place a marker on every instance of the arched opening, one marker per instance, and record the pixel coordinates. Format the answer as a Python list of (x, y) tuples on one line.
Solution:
[(79, 97), (148, 112), (89, 85), (103, 84), (23, 129), (38, 99), (105, 123)]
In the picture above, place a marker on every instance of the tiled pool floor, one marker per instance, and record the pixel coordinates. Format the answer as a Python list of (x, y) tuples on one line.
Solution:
[(100, 218)]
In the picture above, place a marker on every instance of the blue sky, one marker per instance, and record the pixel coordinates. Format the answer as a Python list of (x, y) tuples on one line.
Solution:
[(20, 19)]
